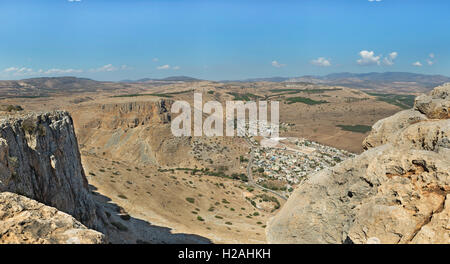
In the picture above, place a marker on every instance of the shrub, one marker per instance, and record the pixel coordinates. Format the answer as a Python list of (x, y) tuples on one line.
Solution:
[(28, 126), (190, 199), (120, 226), (125, 217)]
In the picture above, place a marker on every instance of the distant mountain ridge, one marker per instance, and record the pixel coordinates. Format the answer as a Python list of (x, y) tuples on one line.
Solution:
[(373, 81), (167, 79), (384, 76), (387, 82), (371, 76), (268, 79), (44, 86)]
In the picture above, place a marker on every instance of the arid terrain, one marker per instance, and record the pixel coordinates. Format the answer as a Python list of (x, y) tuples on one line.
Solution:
[(205, 189)]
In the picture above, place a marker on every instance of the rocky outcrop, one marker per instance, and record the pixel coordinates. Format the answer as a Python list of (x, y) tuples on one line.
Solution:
[(23, 220), (137, 131), (397, 191), (133, 114), (39, 158)]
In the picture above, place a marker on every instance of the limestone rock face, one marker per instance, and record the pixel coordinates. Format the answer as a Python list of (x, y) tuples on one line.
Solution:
[(134, 114), (23, 220), (436, 105), (383, 130), (39, 158), (397, 191)]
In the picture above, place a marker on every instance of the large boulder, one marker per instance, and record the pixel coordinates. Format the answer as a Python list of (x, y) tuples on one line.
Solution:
[(23, 220), (436, 105)]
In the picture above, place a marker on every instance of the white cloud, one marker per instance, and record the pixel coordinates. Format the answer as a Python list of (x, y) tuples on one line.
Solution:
[(60, 71), (19, 71), (155, 59), (11, 69), (168, 67), (389, 60), (126, 67), (430, 61), (105, 68), (73, 1), (375, 0), (163, 67), (276, 64), (368, 58), (417, 64), (321, 61), (23, 71)]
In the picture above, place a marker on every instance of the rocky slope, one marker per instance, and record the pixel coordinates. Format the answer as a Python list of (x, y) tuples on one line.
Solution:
[(137, 132), (39, 159), (397, 191), (23, 220)]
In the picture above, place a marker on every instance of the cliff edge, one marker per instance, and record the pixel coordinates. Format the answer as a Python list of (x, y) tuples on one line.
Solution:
[(39, 159)]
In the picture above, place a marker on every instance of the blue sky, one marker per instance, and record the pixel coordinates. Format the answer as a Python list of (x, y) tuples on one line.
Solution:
[(218, 40)]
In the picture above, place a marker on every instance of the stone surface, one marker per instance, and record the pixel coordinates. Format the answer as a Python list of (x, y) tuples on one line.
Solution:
[(39, 158), (397, 191), (385, 128), (436, 105), (23, 220)]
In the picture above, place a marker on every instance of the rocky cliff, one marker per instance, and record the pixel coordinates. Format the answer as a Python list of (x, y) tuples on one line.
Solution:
[(23, 220), (39, 159), (133, 114), (136, 132), (397, 191)]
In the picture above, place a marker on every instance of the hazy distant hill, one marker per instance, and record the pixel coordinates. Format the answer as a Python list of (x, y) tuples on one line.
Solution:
[(379, 77), (39, 87), (381, 82), (388, 82), (269, 79), (403, 82), (167, 79)]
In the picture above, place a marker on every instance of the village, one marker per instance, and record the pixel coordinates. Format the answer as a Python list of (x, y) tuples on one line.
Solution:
[(287, 161)]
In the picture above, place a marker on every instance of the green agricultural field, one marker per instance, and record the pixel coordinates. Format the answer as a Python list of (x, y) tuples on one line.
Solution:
[(404, 101), (304, 100), (244, 96), (278, 92), (356, 128), (166, 95)]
